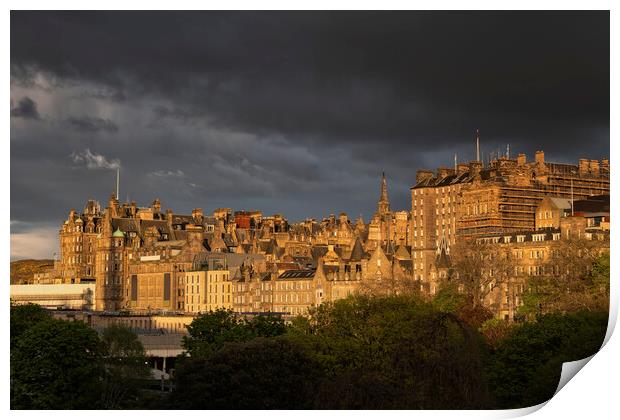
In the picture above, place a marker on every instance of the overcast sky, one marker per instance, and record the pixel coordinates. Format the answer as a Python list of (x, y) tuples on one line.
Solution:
[(296, 113)]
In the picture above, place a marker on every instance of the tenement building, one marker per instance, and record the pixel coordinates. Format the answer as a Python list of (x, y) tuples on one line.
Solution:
[(145, 260), (474, 200), (563, 245)]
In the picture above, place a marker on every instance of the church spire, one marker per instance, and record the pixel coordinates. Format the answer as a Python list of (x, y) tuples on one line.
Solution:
[(383, 206)]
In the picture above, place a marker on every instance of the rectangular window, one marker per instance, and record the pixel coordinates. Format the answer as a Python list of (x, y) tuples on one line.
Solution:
[(134, 287), (166, 286)]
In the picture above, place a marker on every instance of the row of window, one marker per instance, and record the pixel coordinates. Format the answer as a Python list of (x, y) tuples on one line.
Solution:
[(449, 188), (475, 209)]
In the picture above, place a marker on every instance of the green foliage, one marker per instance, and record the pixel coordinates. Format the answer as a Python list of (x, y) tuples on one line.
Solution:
[(121, 342), (600, 276), (209, 332), (584, 287), (495, 330), (449, 299), (264, 373), (126, 367), (400, 346), (24, 317), (57, 365), (525, 369)]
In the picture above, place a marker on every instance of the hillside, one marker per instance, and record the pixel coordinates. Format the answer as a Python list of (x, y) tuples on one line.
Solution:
[(23, 270)]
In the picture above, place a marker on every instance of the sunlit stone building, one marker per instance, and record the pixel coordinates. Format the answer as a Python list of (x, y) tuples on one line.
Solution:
[(473, 200)]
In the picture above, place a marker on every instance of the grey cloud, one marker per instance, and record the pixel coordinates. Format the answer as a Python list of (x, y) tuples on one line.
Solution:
[(25, 108), (168, 173), (91, 124), (94, 160)]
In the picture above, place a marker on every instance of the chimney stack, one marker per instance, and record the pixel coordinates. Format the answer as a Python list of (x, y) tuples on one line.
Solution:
[(475, 167), (584, 166), (605, 164), (422, 175), (156, 206), (539, 157), (594, 167), (521, 159), (443, 172)]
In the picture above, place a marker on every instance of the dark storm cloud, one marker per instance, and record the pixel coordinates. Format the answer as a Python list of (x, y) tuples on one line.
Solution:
[(25, 108), (356, 76), (296, 112), (91, 124)]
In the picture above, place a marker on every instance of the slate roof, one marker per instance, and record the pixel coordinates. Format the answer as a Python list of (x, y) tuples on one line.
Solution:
[(160, 225), (594, 204), (561, 203), (548, 232), (443, 260), (358, 253), (126, 225), (451, 179), (297, 275)]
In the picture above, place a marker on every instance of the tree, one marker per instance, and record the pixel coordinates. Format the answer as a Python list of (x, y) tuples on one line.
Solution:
[(525, 368), (57, 364), (398, 282), (126, 367), (496, 330), (208, 332), (480, 269), (600, 277), (576, 277), (24, 317), (265, 326), (264, 373), (400, 345), (449, 299)]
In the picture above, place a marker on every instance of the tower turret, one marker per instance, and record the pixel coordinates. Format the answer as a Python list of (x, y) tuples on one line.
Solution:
[(383, 206)]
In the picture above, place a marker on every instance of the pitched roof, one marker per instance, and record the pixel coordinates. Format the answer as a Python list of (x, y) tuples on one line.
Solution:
[(402, 253), (358, 253), (442, 260), (297, 275), (561, 203)]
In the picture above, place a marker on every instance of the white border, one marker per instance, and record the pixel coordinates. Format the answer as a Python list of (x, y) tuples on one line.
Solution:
[(592, 395)]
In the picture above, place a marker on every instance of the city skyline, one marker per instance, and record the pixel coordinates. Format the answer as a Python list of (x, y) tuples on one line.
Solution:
[(212, 109)]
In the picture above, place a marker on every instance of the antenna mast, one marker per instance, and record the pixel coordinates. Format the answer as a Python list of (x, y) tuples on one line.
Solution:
[(478, 145), (118, 175)]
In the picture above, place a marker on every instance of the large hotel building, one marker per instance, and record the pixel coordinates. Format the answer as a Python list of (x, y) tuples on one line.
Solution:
[(472, 200)]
